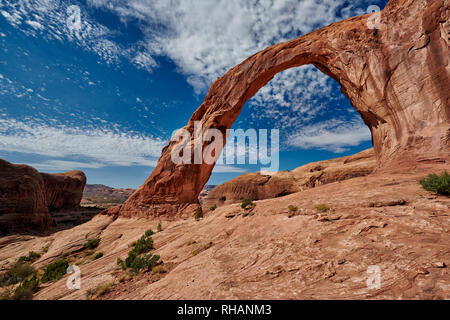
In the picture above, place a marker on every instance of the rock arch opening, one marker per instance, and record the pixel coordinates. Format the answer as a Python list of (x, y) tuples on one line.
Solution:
[(396, 78)]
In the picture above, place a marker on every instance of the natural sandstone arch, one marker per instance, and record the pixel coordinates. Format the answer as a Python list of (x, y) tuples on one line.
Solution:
[(396, 77)]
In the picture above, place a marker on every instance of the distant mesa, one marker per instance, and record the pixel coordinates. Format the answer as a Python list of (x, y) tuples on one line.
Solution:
[(103, 196), (28, 198), (396, 76), (257, 186)]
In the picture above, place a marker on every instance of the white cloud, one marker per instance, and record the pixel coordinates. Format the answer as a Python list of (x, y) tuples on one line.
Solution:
[(101, 147), (228, 169), (205, 38), (62, 165), (35, 24), (55, 19), (293, 97), (333, 135)]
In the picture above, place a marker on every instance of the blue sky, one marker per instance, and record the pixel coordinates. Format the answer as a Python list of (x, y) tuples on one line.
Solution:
[(103, 93)]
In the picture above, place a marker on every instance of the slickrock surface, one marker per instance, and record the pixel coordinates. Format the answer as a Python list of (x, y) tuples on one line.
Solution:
[(397, 78), (257, 186), (385, 220), (27, 197)]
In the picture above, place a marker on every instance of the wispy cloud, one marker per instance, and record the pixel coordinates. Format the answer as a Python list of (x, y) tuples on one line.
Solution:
[(63, 165), (205, 38), (65, 21), (99, 147), (67, 148), (333, 135), (228, 169)]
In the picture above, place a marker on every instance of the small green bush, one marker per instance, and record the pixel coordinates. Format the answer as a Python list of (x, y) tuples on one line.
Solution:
[(135, 260), (55, 270), (146, 262), (89, 253), (26, 289), (213, 207), (98, 255), (149, 233), (198, 214), (437, 184), (246, 203), (17, 273), (323, 207), (159, 227), (92, 243), (32, 257), (99, 291), (292, 208), (121, 263)]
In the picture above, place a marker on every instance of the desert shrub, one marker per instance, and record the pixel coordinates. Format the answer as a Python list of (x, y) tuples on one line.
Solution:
[(198, 214), (32, 257), (149, 233), (132, 244), (137, 262), (26, 289), (159, 227), (213, 207), (246, 203), (17, 273), (121, 263), (323, 207), (292, 208), (146, 262), (46, 247), (98, 255), (92, 243), (159, 269), (55, 270), (437, 184), (99, 291), (191, 242), (89, 253)]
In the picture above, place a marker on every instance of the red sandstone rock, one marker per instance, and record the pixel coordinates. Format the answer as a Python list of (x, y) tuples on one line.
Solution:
[(27, 197), (257, 186), (397, 78)]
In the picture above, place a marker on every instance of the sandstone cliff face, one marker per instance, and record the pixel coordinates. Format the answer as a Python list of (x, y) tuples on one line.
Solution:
[(397, 78), (257, 186), (27, 197)]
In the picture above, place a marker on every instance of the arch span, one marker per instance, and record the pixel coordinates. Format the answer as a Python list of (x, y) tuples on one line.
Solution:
[(396, 77)]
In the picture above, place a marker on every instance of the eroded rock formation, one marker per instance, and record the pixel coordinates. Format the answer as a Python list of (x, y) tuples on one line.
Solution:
[(27, 197), (257, 186), (396, 76)]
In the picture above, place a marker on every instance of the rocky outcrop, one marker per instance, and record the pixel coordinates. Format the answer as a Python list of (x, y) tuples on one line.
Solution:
[(396, 76), (386, 220), (27, 197), (257, 186)]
